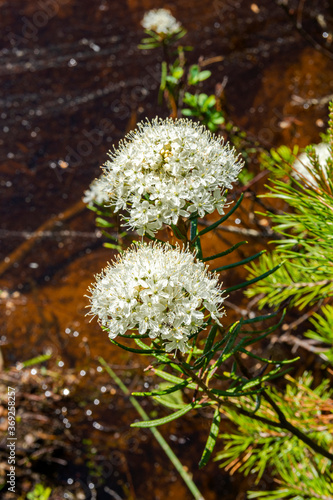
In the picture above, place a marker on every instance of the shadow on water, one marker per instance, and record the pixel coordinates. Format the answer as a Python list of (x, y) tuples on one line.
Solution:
[(73, 82)]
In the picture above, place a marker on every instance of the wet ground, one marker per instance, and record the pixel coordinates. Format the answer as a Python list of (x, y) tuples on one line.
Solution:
[(73, 82)]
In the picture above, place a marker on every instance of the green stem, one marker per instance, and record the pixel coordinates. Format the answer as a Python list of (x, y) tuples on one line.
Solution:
[(157, 435), (195, 238)]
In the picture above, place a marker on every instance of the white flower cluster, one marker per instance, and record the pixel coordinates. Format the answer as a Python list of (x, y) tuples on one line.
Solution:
[(97, 192), (304, 166), (169, 169), (157, 290), (160, 21)]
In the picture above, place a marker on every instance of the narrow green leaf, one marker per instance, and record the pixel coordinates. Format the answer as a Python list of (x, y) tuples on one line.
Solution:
[(210, 339), (259, 318), (134, 336), (148, 40), (161, 400), (163, 359), (235, 392), (37, 360), (106, 212), (267, 331), (168, 377), (113, 246), (137, 351), (148, 46), (268, 361), (212, 437), (179, 35), (239, 263), (164, 420), (258, 403), (254, 280), (108, 235), (103, 223), (170, 390), (164, 69), (226, 252)]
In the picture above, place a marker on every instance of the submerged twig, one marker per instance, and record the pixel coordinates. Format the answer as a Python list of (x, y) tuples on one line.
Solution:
[(27, 245)]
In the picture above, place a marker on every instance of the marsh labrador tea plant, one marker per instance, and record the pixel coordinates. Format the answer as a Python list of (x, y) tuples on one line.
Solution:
[(159, 298), (162, 296)]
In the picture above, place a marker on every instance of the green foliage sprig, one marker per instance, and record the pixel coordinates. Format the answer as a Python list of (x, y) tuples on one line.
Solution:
[(299, 472), (305, 245)]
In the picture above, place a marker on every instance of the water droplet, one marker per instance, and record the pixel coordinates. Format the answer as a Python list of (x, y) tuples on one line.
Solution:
[(95, 47), (72, 62)]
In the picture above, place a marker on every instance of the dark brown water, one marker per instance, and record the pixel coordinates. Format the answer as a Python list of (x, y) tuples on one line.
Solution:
[(72, 83)]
